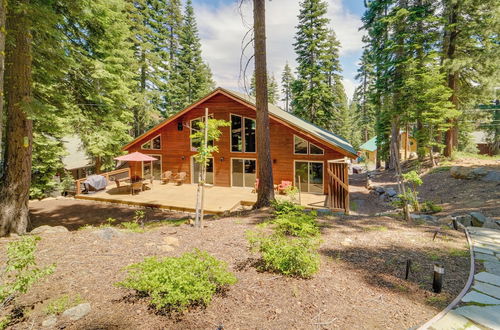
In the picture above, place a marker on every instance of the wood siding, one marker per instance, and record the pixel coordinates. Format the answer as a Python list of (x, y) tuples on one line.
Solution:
[(176, 145)]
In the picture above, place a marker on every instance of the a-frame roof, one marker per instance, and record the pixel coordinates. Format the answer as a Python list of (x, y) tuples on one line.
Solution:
[(275, 112)]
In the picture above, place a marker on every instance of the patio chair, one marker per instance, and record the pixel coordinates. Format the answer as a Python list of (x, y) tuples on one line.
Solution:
[(255, 186), (138, 185), (166, 177), (281, 188), (180, 178)]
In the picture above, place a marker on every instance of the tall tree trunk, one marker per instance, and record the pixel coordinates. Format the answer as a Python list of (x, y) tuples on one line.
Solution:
[(3, 12), (450, 44), (265, 191), (14, 193)]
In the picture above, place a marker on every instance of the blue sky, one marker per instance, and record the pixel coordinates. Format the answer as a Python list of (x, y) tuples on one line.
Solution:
[(222, 27)]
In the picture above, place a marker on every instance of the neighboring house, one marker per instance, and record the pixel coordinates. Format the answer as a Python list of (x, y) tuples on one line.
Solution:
[(408, 148), (480, 138), (76, 162), (298, 148)]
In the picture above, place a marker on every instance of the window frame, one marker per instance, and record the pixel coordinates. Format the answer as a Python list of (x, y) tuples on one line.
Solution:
[(308, 149), (243, 140), (322, 150), (151, 141)]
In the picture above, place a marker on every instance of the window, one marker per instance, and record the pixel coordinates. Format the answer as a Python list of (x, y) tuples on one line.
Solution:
[(153, 144), (315, 150), (195, 125), (249, 135), (242, 134), (302, 147), (236, 136)]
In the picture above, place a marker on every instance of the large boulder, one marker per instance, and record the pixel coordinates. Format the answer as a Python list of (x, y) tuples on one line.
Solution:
[(479, 171), (380, 190), (460, 172), (49, 230), (77, 312), (423, 217), (391, 192), (478, 219), (465, 219), (491, 176), (492, 224), (108, 233)]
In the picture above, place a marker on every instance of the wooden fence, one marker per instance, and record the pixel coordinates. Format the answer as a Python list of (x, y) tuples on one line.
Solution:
[(107, 175), (338, 186)]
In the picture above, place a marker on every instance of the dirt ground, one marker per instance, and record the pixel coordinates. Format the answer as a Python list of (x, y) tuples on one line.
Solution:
[(360, 284), (456, 196)]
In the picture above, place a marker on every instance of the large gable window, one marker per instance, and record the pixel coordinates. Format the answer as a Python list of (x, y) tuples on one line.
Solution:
[(242, 134), (302, 147), (153, 144)]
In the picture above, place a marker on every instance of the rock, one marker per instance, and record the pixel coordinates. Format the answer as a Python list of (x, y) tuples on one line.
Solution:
[(460, 172), (391, 192), (108, 233), (77, 312), (478, 219), (446, 220), (50, 321), (465, 220), (166, 248), (380, 189), (49, 230), (479, 171), (492, 224), (346, 242), (171, 241), (492, 176), (424, 217)]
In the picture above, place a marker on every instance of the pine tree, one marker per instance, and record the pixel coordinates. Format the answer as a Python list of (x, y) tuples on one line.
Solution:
[(102, 80), (197, 77), (146, 76), (318, 92), (272, 89), (287, 80)]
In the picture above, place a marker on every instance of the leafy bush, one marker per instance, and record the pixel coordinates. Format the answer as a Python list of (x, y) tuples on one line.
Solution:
[(175, 283), (299, 224), (430, 207), (291, 257), (21, 271), (4, 322), (59, 305), (285, 207), (132, 226)]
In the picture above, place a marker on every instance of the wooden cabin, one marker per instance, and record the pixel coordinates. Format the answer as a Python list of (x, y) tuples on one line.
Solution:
[(407, 150), (299, 150)]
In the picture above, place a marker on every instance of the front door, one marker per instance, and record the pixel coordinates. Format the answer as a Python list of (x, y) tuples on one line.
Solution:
[(309, 176), (196, 171), (243, 172), (146, 168)]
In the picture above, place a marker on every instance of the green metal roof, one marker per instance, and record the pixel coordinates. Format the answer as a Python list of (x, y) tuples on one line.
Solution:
[(370, 145), (318, 132)]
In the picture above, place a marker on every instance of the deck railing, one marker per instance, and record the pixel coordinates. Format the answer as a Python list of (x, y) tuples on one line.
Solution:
[(79, 182)]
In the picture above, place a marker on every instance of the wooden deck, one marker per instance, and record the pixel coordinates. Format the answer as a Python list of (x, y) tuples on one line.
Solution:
[(218, 200)]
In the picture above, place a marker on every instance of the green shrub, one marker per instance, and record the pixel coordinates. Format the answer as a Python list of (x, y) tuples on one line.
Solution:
[(285, 207), (132, 226), (175, 283), (21, 271), (4, 322), (299, 224), (430, 207), (291, 257), (59, 305)]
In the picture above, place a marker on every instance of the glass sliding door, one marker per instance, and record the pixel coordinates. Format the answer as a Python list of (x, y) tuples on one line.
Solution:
[(243, 172), (146, 168), (309, 176), (196, 171)]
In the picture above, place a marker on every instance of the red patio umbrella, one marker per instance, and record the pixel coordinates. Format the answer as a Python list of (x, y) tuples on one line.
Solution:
[(137, 157)]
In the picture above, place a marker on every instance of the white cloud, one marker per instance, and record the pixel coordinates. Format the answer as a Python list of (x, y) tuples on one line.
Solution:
[(222, 30)]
